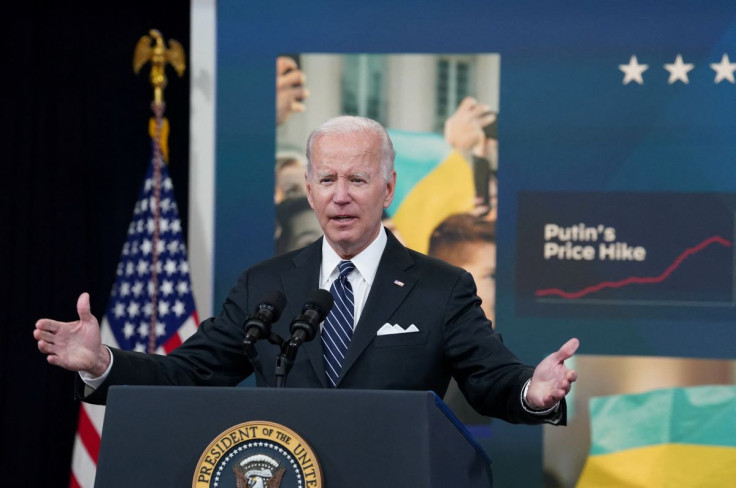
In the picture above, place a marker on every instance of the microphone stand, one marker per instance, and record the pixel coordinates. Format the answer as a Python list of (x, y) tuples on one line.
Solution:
[(282, 369), (285, 360), (252, 354)]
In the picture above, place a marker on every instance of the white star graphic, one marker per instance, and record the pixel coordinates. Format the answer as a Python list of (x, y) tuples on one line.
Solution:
[(170, 267), (167, 287), (142, 267), (124, 289), (724, 70), (179, 308), (119, 310), (133, 309), (678, 70), (163, 308), (165, 204), (172, 247), (176, 226), (182, 287), (137, 288), (160, 329), (128, 330), (143, 329), (633, 71)]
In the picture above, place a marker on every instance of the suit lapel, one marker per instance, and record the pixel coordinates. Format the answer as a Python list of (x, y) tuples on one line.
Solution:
[(383, 299), (298, 284)]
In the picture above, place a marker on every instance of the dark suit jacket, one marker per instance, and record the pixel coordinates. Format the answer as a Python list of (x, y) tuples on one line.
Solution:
[(454, 339)]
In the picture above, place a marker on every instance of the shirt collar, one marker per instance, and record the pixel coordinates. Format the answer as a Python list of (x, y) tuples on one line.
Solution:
[(366, 262)]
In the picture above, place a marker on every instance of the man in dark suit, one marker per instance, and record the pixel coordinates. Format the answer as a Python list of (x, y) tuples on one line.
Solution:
[(412, 321)]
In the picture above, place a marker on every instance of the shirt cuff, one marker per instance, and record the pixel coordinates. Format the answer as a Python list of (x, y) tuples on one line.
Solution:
[(93, 382), (528, 408)]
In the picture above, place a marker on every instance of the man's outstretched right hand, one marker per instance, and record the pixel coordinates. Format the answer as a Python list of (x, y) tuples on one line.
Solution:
[(75, 346)]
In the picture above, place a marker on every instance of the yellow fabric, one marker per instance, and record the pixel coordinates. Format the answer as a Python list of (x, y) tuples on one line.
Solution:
[(664, 465), (447, 190), (164, 136)]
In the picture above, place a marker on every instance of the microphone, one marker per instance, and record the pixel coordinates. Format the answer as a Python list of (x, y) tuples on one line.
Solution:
[(268, 311), (305, 326), (303, 329)]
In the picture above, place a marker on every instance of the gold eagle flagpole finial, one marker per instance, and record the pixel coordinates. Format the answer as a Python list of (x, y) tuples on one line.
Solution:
[(153, 48)]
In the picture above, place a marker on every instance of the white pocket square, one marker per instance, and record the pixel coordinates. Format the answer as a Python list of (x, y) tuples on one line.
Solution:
[(389, 329)]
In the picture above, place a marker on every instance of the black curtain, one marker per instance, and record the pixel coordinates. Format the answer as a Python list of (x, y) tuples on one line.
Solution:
[(75, 151)]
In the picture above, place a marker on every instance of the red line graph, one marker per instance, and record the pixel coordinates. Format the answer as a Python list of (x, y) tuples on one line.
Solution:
[(637, 279)]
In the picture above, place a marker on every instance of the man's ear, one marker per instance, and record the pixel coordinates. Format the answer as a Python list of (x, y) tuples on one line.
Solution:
[(391, 188)]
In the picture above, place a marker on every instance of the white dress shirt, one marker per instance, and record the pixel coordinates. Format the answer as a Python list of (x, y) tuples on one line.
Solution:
[(361, 279)]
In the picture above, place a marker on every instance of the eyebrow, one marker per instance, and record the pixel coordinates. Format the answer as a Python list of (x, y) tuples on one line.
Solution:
[(360, 174)]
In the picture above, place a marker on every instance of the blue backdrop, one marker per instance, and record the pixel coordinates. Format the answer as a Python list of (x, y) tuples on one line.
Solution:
[(573, 137), (568, 124)]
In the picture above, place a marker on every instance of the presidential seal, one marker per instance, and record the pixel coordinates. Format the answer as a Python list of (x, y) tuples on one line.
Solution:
[(258, 455)]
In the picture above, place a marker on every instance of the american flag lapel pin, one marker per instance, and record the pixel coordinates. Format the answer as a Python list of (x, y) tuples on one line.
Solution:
[(398, 283)]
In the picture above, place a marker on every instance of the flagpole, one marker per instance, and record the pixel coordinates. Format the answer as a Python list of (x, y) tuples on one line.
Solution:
[(158, 108), (159, 56)]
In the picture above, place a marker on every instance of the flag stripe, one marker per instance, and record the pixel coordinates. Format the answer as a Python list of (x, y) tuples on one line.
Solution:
[(96, 414), (88, 435), (447, 190), (645, 419), (83, 467), (680, 465)]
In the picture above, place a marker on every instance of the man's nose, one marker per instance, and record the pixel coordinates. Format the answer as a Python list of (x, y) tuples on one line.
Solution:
[(342, 192)]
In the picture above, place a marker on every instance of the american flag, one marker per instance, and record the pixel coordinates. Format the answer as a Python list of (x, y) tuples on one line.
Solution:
[(151, 307)]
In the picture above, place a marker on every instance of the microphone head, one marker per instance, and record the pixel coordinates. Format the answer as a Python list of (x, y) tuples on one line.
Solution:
[(274, 302), (314, 311), (320, 301)]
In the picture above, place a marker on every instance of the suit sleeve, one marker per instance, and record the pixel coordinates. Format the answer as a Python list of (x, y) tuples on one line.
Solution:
[(213, 356), (490, 376)]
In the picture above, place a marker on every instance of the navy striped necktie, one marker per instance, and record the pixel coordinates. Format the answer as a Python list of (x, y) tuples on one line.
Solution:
[(338, 326)]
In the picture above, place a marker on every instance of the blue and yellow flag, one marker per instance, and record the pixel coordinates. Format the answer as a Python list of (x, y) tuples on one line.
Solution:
[(679, 437), (434, 181)]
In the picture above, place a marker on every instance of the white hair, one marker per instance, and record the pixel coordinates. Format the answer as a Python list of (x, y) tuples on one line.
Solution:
[(352, 124)]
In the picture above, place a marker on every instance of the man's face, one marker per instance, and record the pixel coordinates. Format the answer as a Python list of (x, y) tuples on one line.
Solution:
[(347, 190)]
